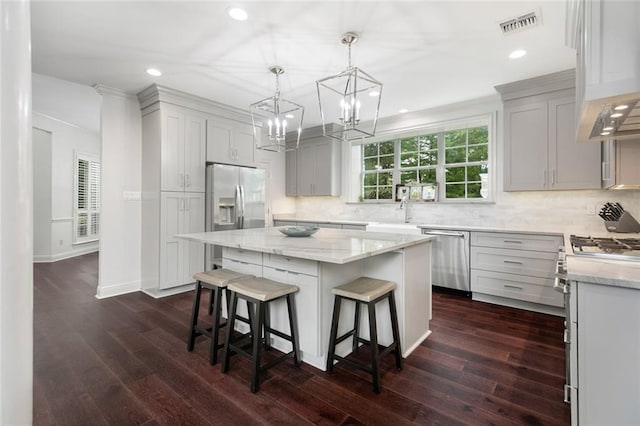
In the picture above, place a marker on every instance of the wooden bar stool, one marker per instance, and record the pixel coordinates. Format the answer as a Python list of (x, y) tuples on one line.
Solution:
[(260, 292), (367, 291), (216, 263), (216, 281)]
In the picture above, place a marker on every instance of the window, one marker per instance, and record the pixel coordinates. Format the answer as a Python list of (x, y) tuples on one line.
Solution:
[(86, 220), (456, 157)]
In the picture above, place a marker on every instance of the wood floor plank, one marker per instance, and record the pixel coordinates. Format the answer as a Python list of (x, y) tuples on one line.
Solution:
[(123, 360)]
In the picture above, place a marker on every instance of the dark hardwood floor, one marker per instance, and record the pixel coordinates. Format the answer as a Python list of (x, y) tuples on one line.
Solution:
[(123, 360)]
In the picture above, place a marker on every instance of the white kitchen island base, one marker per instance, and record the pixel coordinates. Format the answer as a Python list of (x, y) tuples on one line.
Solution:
[(403, 259)]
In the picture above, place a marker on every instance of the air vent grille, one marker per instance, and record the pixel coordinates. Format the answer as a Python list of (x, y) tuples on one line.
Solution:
[(529, 20)]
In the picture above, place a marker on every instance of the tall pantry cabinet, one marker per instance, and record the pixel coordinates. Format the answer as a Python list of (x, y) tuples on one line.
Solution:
[(175, 145)]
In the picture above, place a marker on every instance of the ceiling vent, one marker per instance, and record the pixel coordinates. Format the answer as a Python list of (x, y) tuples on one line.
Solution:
[(528, 20)]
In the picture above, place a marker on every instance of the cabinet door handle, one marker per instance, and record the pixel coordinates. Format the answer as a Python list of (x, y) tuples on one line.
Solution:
[(180, 204), (188, 184), (513, 262), (553, 177), (512, 286), (512, 241), (544, 178), (281, 270), (181, 179)]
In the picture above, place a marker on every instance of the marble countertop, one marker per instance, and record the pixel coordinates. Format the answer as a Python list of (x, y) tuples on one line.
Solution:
[(604, 272), (326, 245)]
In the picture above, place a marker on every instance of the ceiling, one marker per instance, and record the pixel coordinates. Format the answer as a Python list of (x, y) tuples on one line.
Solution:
[(427, 53)]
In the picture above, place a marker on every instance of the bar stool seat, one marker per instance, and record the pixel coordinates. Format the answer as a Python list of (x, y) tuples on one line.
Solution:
[(259, 292), (367, 291), (216, 281)]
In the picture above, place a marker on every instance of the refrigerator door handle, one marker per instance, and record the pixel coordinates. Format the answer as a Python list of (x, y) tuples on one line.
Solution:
[(241, 207), (236, 210)]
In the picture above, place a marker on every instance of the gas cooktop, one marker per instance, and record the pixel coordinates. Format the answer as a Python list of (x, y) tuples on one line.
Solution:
[(606, 247)]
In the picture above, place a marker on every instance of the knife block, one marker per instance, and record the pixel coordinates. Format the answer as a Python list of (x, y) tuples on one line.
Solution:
[(626, 223)]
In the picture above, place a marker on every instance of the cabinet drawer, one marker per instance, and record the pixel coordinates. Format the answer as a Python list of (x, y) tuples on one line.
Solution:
[(523, 262), (354, 227), (331, 225), (242, 266), (243, 255), (301, 266), (536, 242), (284, 223), (529, 289)]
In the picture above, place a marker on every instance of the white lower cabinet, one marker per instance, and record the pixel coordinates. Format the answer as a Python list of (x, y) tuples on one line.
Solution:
[(306, 302), (181, 213), (515, 269), (605, 349)]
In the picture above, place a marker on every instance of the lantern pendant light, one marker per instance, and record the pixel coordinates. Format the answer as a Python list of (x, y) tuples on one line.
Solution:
[(273, 117), (349, 101)]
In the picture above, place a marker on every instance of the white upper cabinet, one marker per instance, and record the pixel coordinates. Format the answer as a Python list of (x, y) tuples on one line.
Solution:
[(183, 150), (540, 146), (608, 49), (230, 142)]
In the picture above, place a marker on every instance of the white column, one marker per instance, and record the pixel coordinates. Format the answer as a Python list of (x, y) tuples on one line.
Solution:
[(16, 236), (120, 268)]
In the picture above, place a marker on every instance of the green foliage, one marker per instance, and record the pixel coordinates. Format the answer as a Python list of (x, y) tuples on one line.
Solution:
[(418, 162)]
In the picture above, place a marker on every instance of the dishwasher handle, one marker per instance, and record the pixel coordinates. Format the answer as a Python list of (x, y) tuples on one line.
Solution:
[(444, 234)]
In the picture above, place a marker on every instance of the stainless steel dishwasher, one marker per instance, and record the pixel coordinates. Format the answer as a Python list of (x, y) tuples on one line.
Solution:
[(450, 259)]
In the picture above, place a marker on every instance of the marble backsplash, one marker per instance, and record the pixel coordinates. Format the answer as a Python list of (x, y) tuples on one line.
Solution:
[(551, 211)]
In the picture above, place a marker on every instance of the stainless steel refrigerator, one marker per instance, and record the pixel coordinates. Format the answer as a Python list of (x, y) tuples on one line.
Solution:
[(235, 199)]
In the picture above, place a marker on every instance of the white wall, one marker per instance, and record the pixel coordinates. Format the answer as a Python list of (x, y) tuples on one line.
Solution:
[(565, 211), (120, 241), (66, 139), (61, 108), (42, 141), (16, 242)]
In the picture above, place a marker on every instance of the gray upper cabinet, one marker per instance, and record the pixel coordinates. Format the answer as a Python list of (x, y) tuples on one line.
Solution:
[(314, 169), (230, 142), (291, 188), (621, 164), (540, 147)]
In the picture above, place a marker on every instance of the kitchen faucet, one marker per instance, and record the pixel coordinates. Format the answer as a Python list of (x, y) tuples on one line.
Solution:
[(404, 204)]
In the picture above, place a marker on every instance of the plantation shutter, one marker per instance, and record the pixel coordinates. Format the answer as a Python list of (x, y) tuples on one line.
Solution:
[(87, 202)]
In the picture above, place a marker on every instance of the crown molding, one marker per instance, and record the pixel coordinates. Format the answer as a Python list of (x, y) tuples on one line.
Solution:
[(154, 94), (537, 85), (106, 90)]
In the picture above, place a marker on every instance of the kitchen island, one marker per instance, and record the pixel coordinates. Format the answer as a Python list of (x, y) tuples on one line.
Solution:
[(325, 260)]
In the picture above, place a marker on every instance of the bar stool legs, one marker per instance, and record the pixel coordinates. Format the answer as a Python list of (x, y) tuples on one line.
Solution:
[(216, 281), (258, 292), (369, 292)]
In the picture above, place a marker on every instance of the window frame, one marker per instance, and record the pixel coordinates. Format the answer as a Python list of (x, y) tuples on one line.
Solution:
[(93, 198), (396, 135)]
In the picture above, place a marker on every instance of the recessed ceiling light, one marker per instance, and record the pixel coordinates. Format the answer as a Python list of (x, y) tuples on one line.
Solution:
[(621, 107), (616, 115), (518, 53), (289, 115), (608, 128), (238, 14), (605, 134), (403, 110), (374, 93), (154, 72)]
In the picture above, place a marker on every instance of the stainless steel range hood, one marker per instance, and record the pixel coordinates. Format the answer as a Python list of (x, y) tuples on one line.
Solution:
[(616, 117)]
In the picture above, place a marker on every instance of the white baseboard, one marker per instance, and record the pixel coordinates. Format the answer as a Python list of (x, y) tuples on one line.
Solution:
[(62, 256), (118, 289), (520, 304), (157, 294)]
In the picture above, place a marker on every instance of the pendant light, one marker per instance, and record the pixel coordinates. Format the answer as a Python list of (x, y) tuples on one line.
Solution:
[(349, 101), (273, 117)]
